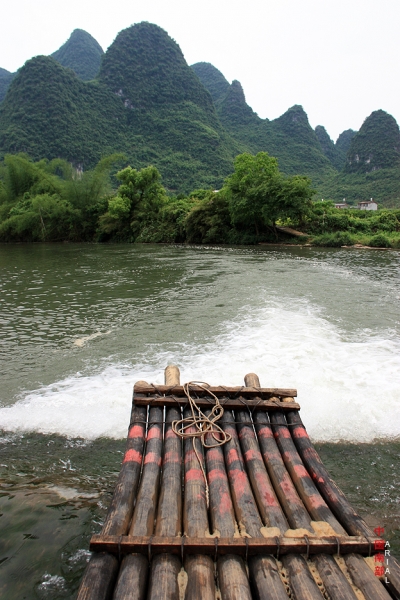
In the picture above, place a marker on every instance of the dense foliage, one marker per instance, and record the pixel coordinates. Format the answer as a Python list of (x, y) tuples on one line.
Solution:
[(52, 201), (81, 53)]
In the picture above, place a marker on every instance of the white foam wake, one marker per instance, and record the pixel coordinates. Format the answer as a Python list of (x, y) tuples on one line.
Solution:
[(348, 389)]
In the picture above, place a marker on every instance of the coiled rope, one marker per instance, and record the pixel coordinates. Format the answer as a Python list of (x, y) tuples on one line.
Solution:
[(199, 425)]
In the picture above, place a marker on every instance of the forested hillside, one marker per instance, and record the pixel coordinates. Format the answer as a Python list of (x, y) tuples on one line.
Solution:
[(5, 79), (146, 102), (142, 99), (289, 138), (81, 53)]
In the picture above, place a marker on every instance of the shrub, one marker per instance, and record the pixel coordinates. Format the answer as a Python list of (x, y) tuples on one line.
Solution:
[(379, 241), (334, 240)]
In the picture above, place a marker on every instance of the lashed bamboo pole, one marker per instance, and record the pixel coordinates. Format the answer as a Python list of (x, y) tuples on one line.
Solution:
[(129, 586), (165, 567), (365, 579), (334, 496), (334, 580), (300, 578), (199, 568), (99, 578), (233, 580), (268, 505), (393, 578), (121, 508), (101, 568), (309, 494), (264, 574), (330, 491), (299, 574), (294, 509)]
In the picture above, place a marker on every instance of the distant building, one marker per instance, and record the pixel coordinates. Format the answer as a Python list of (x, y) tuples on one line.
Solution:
[(341, 205), (367, 205)]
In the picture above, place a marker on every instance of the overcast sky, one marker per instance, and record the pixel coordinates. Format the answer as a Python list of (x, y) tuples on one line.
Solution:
[(339, 59)]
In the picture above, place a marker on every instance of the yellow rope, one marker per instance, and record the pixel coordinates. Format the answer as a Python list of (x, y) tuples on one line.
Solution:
[(203, 425)]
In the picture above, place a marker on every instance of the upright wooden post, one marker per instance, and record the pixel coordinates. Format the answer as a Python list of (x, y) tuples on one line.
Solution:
[(165, 567)]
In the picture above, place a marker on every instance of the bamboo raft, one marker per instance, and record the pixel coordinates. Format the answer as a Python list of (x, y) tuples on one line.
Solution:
[(257, 517)]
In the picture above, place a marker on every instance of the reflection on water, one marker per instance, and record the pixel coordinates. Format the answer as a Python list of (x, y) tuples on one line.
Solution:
[(81, 323)]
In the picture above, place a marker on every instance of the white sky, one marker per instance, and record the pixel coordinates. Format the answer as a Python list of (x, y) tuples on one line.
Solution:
[(339, 59)]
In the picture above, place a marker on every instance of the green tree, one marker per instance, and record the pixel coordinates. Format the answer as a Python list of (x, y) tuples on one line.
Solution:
[(138, 201), (259, 194)]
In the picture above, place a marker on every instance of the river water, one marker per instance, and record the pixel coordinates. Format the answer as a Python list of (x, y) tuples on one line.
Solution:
[(82, 323)]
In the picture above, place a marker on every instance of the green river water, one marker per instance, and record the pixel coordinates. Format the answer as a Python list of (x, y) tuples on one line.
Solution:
[(81, 323)]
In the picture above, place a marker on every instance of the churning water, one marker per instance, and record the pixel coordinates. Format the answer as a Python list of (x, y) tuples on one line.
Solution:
[(82, 323)]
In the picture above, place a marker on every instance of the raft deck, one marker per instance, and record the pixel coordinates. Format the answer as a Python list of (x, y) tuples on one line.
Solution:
[(246, 512)]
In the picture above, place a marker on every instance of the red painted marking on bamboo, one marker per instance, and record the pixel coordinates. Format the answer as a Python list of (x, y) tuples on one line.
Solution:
[(316, 501), (216, 474), (133, 456), (265, 433), (195, 475), (154, 433), (136, 431), (300, 432), (266, 489), (170, 434), (233, 455), (240, 482), (215, 455), (283, 432), (224, 505), (252, 454), (152, 457), (301, 471), (172, 457), (288, 487)]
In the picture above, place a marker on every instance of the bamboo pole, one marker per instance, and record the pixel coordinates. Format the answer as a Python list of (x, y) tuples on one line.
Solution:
[(264, 575), (268, 505), (99, 578), (246, 510), (129, 587), (300, 576), (365, 579), (199, 568), (232, 575), (294, 509), (309, 494), (334, 580), (165, 567), (121, 508), (330, 491)]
